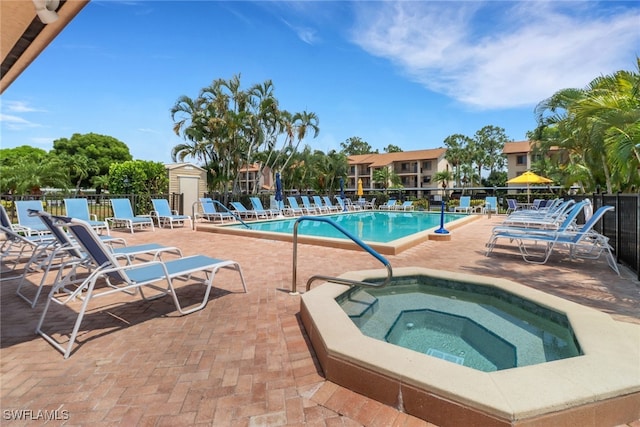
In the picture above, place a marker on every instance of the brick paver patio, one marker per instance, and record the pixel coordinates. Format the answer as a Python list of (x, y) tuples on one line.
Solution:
[(245, 359)]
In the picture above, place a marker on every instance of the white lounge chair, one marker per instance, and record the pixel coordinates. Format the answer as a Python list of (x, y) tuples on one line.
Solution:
[(164, 215), (123, 215), (157, 275), (27, 224), (79, 208), (465, 205), (210, 213), (582, 243), (64, 253), (390, 205), (257, 205)]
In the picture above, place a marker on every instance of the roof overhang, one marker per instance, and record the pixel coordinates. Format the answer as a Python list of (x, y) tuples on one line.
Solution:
[(24, 36)]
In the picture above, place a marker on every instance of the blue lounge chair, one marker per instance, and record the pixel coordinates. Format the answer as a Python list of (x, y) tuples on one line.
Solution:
[(310, 207), (164, 215), (64, 253), (332, 207), (123, 215), (405, 206), (490, 205), (157, 275), (17, 247), (512, 206), (390, 205), (465, 205), (317, 200), (210, 213), (27, 224), (294, 207), (79, 208), (582, 243), (257, 205), (243, 212)]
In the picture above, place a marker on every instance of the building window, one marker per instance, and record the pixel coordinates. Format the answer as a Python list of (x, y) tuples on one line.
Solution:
[(521, 159), (404, 167), (426, 165), (352, 170), (426, 179)]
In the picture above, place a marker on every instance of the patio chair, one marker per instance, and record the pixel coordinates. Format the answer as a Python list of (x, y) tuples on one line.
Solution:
[(79, 208), (157, 275), (528, 218), (582, 243), (512, 206), (567, 223), (27, 224), (17, 247), (332, 207), (64, 253), (388, 206), (164, 215), (352, 206), (123, 214), (407, 205), (371, 204), (490, 205), (296, 208), (317, 200), (257, 206), (465, 205), (310, 207), (243, 212), (210, 213)]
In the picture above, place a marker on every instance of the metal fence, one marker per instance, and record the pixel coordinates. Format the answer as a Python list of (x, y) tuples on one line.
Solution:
[(621, 226), (98, 203)]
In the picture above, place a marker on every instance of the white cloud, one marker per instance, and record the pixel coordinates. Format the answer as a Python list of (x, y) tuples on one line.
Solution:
[(306, 34), (15, 122), (499, 54), (19, 107)]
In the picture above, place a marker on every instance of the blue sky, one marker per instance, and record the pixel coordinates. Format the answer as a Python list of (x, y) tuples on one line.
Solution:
[(406, 73)]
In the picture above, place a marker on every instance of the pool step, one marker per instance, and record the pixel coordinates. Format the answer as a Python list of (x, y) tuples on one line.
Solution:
[(359, 306)]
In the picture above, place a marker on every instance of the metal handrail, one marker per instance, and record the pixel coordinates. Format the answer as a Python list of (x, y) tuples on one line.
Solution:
[(215, 202), (338, 280)]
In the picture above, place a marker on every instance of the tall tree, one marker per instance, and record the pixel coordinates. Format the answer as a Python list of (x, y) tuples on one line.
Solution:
[(356, 145), (102, 149)]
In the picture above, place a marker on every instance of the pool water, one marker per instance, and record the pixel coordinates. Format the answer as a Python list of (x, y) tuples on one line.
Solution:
[(483, 328), (380, 227)]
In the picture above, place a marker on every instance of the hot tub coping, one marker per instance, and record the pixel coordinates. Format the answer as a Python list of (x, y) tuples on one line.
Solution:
[(511, 394)]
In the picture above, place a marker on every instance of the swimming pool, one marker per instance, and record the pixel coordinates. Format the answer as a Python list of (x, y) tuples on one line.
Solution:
[(388, 233)]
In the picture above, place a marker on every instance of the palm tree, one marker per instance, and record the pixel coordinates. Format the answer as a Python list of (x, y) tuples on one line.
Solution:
[(301, 124), (444, 177)]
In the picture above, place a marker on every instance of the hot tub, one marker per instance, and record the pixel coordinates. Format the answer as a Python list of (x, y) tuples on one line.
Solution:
[(600, 387)]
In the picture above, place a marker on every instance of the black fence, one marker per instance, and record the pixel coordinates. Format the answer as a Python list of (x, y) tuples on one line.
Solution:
[(621, 226), (98, 203)]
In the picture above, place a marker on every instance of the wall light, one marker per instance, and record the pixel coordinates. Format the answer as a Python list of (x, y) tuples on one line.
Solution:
[(46, 10)]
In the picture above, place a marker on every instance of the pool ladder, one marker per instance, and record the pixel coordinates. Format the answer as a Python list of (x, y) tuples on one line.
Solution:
[(338, 280)]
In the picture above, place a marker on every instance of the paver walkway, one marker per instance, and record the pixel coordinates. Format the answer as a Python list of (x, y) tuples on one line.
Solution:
[(245, 359)]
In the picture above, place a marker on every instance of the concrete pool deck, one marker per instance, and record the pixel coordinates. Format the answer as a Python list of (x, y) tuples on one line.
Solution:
[(246, 360)]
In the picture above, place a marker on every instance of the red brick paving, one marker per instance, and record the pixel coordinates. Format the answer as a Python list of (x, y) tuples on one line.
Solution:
[(245, 359)]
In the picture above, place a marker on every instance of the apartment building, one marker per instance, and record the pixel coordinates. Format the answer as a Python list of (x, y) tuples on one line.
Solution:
[(520, 156), (416, 170), (249, 178)]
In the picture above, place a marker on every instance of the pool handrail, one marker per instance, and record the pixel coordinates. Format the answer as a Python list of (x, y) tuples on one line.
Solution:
[(215, 202), (331, 279)]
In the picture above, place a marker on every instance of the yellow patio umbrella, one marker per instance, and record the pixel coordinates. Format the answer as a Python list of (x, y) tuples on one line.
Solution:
[(529, 178), (360, 191)]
